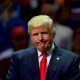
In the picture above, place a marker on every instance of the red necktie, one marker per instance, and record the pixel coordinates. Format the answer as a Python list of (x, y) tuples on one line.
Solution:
[(43, 67)]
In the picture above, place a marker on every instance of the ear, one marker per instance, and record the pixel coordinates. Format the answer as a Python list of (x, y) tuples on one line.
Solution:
[(53, 35), (31, 38)]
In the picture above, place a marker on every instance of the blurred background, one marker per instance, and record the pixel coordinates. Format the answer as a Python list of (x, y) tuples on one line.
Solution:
[(14, 15)]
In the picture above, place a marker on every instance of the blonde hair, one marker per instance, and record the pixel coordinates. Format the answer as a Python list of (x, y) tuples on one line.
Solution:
[(40, 20)]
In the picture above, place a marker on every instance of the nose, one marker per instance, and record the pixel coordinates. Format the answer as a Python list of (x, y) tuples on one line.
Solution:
[(40, 36)]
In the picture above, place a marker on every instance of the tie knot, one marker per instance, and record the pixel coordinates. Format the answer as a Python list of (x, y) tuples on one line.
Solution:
[(44, 54)]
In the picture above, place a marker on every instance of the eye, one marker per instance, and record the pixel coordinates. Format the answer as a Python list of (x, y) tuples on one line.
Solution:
[(35, 34), (44, 32)]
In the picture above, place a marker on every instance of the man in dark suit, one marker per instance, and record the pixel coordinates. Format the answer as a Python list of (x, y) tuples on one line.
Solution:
[(26, 64)]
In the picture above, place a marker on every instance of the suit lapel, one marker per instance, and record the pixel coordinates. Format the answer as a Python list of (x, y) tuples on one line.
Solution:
[(54, 62), (35, 65)]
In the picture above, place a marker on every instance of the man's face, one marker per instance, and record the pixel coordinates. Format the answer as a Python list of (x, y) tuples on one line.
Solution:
[(42, 37)]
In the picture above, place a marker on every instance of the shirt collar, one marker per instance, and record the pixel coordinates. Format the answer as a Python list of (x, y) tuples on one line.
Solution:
[(49, 52)]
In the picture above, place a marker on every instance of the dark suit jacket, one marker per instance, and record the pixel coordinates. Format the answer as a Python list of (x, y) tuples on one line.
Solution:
[(64, 65)]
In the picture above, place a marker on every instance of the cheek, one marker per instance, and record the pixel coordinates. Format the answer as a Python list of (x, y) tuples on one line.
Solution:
[(49, 37), (33, 39)]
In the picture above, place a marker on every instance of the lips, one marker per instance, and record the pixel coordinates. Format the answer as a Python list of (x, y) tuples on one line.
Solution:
[(41, 42)]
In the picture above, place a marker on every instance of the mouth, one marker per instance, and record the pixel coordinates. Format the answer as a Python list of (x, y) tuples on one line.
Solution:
[(40, 43)]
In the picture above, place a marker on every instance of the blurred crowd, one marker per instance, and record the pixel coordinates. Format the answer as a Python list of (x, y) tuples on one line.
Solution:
[(14, 15)]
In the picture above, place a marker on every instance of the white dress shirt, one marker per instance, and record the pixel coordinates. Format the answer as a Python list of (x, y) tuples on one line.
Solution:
[(48, 57)]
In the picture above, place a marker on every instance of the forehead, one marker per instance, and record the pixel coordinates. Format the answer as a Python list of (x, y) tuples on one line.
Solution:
[(44, 27)]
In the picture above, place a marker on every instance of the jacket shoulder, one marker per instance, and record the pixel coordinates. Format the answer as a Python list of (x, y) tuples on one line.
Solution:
[(68, 53), (68, 56), (24, 52)]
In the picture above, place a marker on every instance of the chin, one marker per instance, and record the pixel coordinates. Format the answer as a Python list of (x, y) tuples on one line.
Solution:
[(42, 49)]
